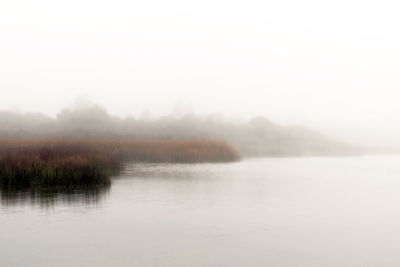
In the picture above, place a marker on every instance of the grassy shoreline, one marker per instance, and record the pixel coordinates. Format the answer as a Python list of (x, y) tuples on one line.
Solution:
[(45, 163)]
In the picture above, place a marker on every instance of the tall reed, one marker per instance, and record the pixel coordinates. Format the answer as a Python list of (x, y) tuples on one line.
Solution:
[(67, 163)]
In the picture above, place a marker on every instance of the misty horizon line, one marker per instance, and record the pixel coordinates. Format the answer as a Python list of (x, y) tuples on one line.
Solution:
[(256, 137), (15, 121), (148, 114)]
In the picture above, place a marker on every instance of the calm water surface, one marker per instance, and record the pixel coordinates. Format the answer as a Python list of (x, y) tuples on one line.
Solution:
[(258, 212)]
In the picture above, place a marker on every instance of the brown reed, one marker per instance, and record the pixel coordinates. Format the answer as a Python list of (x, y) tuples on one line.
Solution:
[(56, 162)]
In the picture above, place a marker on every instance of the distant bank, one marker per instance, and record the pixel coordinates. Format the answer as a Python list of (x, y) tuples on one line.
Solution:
[(257, 137)]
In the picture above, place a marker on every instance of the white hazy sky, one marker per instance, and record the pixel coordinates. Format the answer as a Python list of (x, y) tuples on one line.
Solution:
[(330, 65)]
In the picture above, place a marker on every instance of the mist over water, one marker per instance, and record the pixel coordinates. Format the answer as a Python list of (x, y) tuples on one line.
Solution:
[(318, 212), (111, 113)]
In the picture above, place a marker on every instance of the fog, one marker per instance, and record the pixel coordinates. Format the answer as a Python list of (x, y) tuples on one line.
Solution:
[(258, 137), (330, 67)]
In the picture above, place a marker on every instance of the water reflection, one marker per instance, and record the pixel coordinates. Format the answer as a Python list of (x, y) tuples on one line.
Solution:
[(258, 212), (52, 197), (167, 171)]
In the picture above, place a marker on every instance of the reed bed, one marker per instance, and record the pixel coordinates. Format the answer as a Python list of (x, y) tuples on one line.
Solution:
[(68, 163)]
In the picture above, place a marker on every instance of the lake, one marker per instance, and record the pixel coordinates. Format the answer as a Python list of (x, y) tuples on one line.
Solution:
[(257, 212)]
